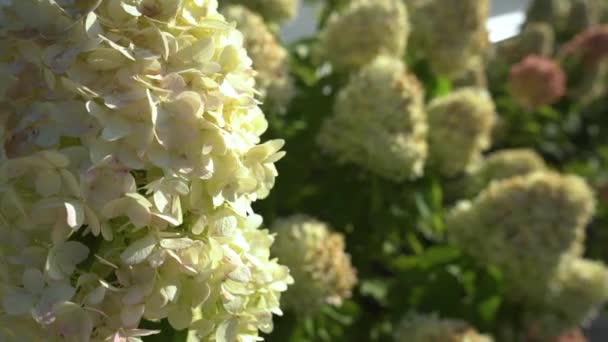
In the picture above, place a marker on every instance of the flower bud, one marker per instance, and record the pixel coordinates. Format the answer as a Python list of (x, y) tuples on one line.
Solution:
[(379, 122), (460, 128), (318, 262)]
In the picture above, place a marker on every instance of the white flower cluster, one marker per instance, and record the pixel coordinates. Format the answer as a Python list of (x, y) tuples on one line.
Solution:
[(431, 328), (273, 11), (575, 295), (460, 129), (270, 59), (503, 164), (364, 30), (379, 122), (448, 36), (316, 257), (131, 156), (532, 227)]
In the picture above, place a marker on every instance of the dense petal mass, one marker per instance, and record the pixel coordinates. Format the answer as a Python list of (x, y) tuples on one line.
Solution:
[(460, 129), (131, 155), (501, 165), (315, 255), (379, 122), (524, 225), (273, 11), (453, 35), (364, 30), (270, 59)]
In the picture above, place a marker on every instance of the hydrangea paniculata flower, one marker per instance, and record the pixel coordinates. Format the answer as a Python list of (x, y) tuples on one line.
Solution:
[(575, 295), (501, 165), (448, 36), (590, 46), (537, 81), (524, 225), (460, 129), (379, 122), (427, 328), (131, 155), (273, 11), (270, 59), (364, 30), (316, 257)]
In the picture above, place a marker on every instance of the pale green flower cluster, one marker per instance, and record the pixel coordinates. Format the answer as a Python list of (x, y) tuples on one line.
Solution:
[(524, 225), (318, 262), (501, 165), (270, 59), (130, 158), (273, 11), (576, 294), (448, 36), (460, 129), (432, 328), (532, 227), (362, 31), (379, 122)]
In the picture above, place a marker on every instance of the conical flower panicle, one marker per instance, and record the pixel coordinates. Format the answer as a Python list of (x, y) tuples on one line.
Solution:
[(318, 262), (273, 11), (364, 30), (460, 129), (575, 296), (448, 36), (503, 164), (379, 122), (131, 155), (524, 225)]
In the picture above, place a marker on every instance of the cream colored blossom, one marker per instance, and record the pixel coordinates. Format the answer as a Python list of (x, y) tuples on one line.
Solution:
[(501, 165), (270, 59), (448, 36), (315, 255), (379, 122), (273, 11), (524, 225), (460, 128), (131, 154), (431, 328), (364, 30), (576, 293)]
